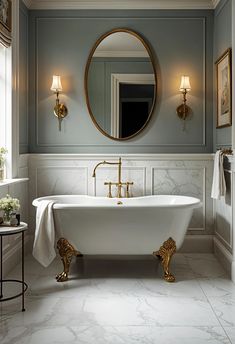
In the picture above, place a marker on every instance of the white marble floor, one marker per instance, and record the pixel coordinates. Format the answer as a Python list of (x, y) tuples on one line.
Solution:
[(123, 301)]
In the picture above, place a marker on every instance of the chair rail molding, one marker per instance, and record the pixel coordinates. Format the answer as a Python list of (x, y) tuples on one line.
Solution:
[(123, 4)]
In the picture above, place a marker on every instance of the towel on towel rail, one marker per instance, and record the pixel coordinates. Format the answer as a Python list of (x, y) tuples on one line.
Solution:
[(218, 184)]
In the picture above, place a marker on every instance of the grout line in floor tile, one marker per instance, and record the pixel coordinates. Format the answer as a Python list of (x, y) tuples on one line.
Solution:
[(214, 312)]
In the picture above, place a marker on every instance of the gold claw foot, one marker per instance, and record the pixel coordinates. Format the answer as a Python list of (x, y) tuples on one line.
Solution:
[(66, 251), (62, 277), (165, 253)]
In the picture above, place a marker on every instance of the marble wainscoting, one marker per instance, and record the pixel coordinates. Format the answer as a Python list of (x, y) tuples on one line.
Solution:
[(183, 174), (18, 188), (224, 210)]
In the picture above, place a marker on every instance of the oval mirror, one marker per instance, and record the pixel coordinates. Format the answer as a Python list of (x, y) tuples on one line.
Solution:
[(120, 84)]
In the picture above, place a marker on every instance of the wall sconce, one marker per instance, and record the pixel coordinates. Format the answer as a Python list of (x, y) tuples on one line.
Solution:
[(60, 110), (183, 109)]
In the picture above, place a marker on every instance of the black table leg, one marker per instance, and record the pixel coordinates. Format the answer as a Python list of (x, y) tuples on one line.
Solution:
[(23, 309)]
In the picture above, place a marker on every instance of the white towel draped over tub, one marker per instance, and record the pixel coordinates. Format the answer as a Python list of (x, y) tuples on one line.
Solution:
[(218, 184), (44, 242)]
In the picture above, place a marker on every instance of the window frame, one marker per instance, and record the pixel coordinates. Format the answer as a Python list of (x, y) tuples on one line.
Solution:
[(6, 103)]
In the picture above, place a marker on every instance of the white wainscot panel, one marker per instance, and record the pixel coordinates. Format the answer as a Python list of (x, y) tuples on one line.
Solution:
[(20, 191), (12, 244), (137, 175), (61, 180), (183, 181), (223, 207), (3, 192)]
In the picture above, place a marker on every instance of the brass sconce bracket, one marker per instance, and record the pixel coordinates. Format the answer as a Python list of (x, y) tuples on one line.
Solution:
[(60, 110), (183, 111)]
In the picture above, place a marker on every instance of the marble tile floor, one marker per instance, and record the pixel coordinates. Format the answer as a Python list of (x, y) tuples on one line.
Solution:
[(123, 301)]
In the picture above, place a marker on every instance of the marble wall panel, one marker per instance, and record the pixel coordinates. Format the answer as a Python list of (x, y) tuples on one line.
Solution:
[(183, 174), (223, 215), (183, 181), (57, 180)]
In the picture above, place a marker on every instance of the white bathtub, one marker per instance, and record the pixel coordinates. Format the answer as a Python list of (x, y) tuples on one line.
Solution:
[(99, 225), (131, 226)]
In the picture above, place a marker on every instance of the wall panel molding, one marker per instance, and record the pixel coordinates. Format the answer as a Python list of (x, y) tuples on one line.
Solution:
[(224, 216), (44, 143), (107, 4)]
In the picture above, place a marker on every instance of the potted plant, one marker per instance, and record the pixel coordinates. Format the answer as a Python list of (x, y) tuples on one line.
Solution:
[(3, 152)]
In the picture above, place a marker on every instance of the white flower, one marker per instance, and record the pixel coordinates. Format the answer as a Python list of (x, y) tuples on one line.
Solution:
[(9, 204)]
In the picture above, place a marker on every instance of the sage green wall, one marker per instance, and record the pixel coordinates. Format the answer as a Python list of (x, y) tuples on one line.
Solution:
[(23, 79), (60, 42), (222, 41)]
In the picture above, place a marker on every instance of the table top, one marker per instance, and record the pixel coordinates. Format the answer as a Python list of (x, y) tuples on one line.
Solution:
[(4, 230)]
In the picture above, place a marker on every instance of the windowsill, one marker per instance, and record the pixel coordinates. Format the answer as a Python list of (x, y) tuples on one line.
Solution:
[(6, 182)]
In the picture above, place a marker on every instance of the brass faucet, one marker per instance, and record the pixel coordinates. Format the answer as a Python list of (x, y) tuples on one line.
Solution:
[(119, 183)]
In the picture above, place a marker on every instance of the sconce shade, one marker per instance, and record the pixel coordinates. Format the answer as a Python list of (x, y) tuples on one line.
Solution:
[(185, 84), (56, 84)]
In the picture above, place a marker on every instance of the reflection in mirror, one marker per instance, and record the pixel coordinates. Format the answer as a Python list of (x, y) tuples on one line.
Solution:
[(120, 84)]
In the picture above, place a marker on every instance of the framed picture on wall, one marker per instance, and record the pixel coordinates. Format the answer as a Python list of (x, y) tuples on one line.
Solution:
[(224, 90)]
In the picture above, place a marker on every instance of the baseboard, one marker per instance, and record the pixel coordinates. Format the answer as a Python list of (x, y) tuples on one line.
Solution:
[(12, 257), (225, 258), (197, 244)]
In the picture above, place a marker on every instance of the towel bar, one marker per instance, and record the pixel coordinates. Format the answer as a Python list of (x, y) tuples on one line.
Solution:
[(226, 151)]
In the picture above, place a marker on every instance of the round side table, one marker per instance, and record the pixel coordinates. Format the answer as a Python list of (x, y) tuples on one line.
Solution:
[(6, 231)]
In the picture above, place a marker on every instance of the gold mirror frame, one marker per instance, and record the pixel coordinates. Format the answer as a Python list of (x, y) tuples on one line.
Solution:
[(136, 35)]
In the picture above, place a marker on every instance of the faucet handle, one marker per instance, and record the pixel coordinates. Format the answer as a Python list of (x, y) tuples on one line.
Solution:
[(110, 189), (128, 189)]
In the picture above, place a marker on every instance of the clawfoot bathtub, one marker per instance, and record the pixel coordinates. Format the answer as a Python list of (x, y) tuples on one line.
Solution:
[(99, 225)]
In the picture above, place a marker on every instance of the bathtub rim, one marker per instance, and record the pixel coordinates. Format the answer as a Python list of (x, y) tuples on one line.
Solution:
[(195, 202)]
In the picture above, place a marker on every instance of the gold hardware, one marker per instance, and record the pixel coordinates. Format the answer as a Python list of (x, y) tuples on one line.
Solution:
[(60, 110), (66, 251), (110, 189), (119, 184), (107, 163), (128, 189), (165, 253), (86, 81), (226, 151), (183, 110)]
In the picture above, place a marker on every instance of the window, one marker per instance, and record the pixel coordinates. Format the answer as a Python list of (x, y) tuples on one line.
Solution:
[(5, 98)]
